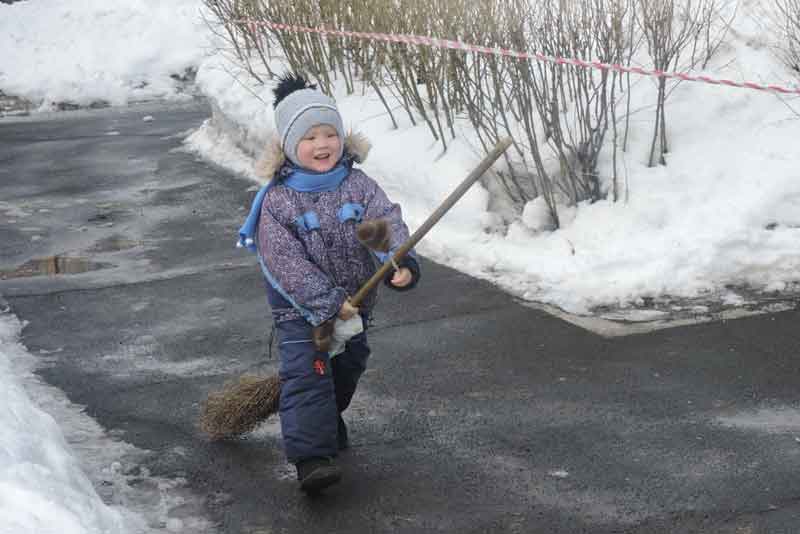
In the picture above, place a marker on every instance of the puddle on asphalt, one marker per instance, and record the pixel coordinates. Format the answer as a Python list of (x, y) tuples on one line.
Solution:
[(53, 266)]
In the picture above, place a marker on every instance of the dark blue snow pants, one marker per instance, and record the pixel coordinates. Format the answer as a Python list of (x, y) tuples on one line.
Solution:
[(315, 389)]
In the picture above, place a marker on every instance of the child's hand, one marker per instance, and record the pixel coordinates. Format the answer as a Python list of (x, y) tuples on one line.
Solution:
[(402, 277), (347, 311)]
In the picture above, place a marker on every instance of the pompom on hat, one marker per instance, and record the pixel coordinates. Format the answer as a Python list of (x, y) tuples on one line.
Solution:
[(299, 106)]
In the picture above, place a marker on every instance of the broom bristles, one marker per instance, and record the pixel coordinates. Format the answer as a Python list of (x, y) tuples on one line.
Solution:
[(374, 234), (240, 406)]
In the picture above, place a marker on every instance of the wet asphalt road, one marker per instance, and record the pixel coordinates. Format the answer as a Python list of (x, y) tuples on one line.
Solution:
[(477, 414)]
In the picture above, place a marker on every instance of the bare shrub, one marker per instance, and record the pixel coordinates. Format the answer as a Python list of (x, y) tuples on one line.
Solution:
[(560, 116), (673, 29), (785, 19), (246, 42)]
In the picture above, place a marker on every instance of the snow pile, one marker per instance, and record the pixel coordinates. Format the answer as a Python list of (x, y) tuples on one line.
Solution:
[(42, 486), (85, 51)]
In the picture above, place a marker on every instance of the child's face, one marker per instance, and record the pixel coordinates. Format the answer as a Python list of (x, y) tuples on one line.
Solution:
[(318, 150)]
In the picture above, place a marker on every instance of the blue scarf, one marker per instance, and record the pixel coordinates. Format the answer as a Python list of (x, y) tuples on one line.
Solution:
[(298, 179), (305, 181)]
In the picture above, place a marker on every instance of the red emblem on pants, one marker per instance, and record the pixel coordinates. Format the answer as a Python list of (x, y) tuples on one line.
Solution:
[(319, 366)]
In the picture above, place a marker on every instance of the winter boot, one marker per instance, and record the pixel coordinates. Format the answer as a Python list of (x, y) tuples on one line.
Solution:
[(341, 435), (316, 474)]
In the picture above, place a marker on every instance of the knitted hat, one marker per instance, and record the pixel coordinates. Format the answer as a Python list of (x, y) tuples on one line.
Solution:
[(298, 108)]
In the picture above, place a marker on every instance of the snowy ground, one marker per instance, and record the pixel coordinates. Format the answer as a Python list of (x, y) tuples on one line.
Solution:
[(720, 223)]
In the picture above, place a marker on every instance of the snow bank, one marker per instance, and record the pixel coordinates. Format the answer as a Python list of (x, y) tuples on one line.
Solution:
[(83, 51), (42, 486)]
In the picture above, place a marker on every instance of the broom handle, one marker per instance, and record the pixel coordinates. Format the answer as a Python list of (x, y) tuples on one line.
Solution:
[(443, 208)]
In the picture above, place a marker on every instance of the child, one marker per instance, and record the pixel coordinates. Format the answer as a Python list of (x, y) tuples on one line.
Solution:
[(304, 222)]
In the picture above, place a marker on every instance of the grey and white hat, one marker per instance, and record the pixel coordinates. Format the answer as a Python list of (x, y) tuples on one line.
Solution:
[(302, 110)]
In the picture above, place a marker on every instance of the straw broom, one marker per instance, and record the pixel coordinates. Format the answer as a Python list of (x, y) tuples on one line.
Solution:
[(244, 403)]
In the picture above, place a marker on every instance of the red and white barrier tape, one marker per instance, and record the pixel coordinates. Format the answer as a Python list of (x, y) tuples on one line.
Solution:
[(458, 45)]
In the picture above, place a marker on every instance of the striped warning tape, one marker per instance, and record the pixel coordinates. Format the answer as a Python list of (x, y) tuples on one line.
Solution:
[(496, 51)]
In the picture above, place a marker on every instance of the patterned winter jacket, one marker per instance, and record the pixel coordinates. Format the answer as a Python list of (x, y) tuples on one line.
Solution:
[(307, 245)]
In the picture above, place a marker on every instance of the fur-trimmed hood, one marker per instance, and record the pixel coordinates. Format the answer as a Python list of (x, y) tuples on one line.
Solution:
[(356, 148)]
